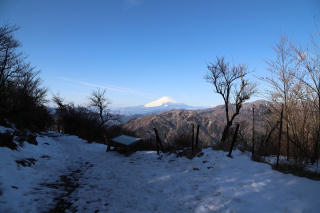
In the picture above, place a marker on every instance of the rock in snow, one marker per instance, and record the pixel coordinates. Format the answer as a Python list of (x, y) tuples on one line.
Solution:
[(82, 177)]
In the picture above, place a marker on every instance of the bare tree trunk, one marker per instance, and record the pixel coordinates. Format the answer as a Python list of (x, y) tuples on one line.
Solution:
[(158, 148), (158, 141), (316, 148), (268, 136), (197, 135), (317, 142), (288, 150), (252, 140), (192, 140), (234, 140), (225, 132), (280, 133), (296, 154)]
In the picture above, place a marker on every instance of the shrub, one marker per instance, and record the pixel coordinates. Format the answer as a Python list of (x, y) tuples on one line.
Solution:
[(117, 130), (182, 141), (296, 169), (6, 140), (146, 145), (79, 121)]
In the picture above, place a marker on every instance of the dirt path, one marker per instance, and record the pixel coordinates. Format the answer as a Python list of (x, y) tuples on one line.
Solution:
[(63, 189)]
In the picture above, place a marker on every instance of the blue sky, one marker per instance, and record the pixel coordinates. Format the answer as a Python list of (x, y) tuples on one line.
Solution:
[(141, 50)]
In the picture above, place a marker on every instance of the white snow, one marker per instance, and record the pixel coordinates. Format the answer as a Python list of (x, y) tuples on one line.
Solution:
[(143, 182), (164, 101), (5, 129)]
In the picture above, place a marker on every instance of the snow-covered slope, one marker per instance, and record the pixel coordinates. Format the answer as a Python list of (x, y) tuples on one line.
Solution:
[(164, 101), (71, 174)]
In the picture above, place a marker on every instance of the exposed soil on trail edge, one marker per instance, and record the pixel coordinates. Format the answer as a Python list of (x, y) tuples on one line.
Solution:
[(67, 184)]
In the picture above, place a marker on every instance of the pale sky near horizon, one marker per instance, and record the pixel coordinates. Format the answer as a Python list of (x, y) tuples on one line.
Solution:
[(141, 50)]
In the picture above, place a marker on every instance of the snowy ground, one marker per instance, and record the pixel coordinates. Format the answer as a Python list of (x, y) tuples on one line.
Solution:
[(110, 182)]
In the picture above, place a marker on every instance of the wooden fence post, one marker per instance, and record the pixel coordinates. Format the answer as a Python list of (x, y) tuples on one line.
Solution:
[(158, 141), (107, 143), (197, 135), (233, 140), (192, 141)]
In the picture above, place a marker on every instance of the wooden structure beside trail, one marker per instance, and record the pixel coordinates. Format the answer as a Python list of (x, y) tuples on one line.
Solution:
[(123, 143)]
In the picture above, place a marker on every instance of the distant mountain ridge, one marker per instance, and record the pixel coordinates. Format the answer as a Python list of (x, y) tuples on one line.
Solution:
[(155, 107), (173, 123)]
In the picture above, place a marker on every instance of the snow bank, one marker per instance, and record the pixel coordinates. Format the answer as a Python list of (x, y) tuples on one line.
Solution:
[(110, 182)]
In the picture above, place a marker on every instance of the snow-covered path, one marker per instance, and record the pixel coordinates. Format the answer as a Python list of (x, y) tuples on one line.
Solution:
[(110, 182)]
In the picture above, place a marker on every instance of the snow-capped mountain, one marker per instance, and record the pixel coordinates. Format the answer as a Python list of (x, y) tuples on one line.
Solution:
[(160, 105), (164, 101)]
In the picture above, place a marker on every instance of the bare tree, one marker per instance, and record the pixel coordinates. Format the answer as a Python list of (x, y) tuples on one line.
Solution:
[(225, 78), (14, 71), (309, 62), (11, 62), (282, 81), (295, 82), (58, 100), (22, 97), (61, 108), (280, 134), (100, 103)]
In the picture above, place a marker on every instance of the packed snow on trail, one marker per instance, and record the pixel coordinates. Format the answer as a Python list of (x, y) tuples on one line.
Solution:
[(66, 174)]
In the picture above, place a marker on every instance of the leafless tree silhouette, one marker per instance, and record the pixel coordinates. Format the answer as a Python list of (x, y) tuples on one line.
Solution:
[(224, 78), (100, 103)]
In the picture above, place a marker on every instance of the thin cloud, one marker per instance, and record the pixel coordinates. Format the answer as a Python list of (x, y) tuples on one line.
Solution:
[(109, 87), (132, 3)]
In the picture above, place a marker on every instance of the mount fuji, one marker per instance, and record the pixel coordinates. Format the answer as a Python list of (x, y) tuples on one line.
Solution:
[(155, 107), (164, 102)]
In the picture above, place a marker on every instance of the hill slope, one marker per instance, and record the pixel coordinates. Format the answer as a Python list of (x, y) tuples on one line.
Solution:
[(176, 122)]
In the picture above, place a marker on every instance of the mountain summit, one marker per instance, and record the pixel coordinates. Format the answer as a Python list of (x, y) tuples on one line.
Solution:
[(155, 107), (164, 101)]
